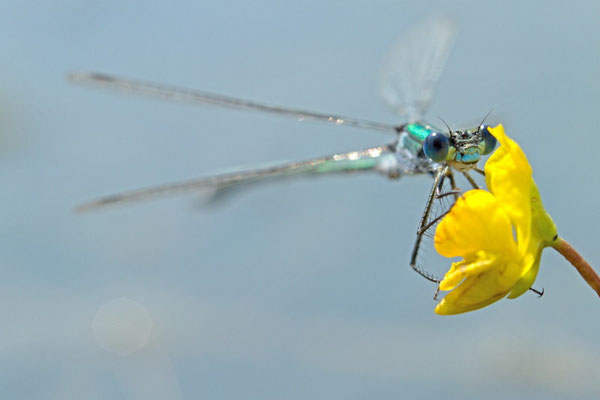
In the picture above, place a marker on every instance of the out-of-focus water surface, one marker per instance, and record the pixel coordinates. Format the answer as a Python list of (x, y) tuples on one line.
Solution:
[(290, 291)]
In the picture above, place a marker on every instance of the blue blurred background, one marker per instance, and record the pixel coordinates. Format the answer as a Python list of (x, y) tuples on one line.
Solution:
[(290, 291)]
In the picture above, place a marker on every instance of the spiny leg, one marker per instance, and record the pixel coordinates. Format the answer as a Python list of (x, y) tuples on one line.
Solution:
[(436, 294), (440, 194), (540, 293), (420, 232), (453, 184), (471, 180), (455, 191), (431, 223)]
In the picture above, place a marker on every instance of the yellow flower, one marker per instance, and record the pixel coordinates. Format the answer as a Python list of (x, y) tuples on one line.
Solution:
[(499, 234)]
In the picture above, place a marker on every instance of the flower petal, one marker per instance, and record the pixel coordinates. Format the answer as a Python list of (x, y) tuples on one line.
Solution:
[(508, 176), (473, 293), (460, 270), (481, 289), (476, 222)]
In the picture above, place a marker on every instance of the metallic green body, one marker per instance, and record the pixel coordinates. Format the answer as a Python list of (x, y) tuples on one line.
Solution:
[(413, 138), (418, 131)]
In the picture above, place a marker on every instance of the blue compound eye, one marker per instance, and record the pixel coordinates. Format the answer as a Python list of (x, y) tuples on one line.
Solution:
[(436, 146), (489, 141)]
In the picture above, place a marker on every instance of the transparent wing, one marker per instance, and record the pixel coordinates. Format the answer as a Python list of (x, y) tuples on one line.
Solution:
[(414, 64), (203, 98), (382, 159)]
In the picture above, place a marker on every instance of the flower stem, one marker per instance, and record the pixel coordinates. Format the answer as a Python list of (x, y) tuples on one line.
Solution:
[(582, 266)]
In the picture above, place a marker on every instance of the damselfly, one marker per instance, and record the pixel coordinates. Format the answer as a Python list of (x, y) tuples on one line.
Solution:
[(409, 74)]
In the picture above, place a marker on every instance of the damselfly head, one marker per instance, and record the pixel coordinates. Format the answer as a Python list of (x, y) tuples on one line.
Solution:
[(467, 146)]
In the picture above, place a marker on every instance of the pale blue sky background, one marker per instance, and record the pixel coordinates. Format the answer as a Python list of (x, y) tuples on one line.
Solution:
[(291, 291)]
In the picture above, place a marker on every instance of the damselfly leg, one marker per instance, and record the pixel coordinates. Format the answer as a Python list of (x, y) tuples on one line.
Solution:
[(440, 175)]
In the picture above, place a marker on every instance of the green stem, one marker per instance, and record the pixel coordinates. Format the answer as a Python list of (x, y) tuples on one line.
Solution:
[(582, 266)]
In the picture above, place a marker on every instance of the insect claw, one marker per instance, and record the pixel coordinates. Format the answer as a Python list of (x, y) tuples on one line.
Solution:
[(540, 293)]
